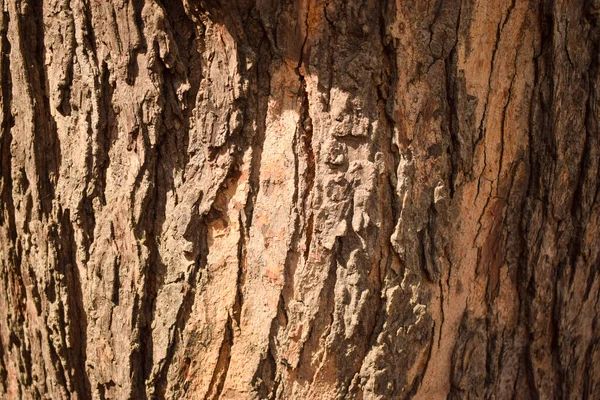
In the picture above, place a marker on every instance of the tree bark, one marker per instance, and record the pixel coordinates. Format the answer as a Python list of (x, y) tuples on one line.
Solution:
[(277, 199)]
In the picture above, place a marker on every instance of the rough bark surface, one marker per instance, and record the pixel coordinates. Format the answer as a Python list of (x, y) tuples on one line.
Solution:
[(299, 199)]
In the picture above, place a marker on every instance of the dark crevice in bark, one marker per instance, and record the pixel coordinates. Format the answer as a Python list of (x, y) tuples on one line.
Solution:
[(306, 130), (302, 146), (6, 196), (466, 373), (162, 168), (443, 316), (292, 256), (559, 372), (541, 145), (43, 118), (107, 131), (372, 335), (57, 369), (581, 206), (141, 354), (589, 382), (3, 370), (64, 86), (89, 36), (503, 132), (386, 92), (525, 287), (101, 138), (491, 346), (551, 141), (220, 371), (77, 318), (501, 24), (258, 139), (241, 274), (113, 22), (144, 303), (159, 381), (17, 345), (139, 45), (455, 151), (321, 323), (419, 379), (46, 146), (190, 44), (266, 368), (264, 382), (333, 42), (222, 366)]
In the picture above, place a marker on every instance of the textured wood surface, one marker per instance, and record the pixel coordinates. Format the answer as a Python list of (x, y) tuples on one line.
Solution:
[(276, 199)]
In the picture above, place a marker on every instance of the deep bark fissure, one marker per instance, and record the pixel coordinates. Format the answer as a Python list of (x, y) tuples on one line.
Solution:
[(6, 138)]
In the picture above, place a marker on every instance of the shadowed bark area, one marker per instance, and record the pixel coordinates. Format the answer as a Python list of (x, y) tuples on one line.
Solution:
[(280, 199)]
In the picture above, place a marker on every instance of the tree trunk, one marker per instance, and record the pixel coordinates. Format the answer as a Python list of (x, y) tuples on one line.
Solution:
[(282, 199)]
